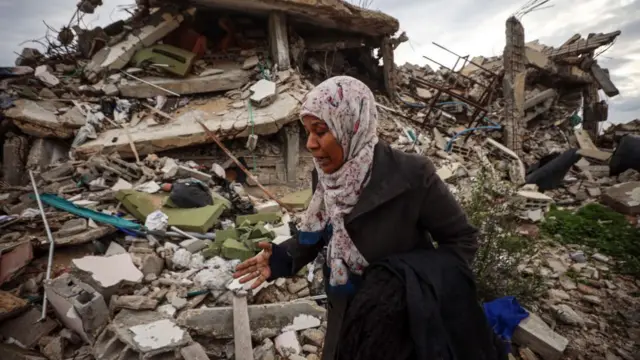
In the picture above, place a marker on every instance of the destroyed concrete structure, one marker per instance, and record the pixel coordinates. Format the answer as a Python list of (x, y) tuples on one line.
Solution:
[(111, 127)]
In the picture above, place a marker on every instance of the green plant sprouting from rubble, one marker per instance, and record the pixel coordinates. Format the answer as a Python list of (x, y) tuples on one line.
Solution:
[(600, 228), (502, 250)]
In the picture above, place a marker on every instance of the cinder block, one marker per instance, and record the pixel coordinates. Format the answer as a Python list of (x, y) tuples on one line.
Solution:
[(79, 306)]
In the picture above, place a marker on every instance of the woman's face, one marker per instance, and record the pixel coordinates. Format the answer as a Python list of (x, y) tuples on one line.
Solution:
[(323, 145)]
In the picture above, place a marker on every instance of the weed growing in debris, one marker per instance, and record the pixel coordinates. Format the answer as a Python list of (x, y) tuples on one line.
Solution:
[(600, 228), (502, 250)]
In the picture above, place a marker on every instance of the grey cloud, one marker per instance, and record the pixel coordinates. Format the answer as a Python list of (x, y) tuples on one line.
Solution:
[(22, 20)]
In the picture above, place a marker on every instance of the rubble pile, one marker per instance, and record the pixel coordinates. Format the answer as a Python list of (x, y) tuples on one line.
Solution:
[(146, 219)]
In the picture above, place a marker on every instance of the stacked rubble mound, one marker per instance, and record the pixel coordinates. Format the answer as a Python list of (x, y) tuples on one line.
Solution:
[(147, 212)]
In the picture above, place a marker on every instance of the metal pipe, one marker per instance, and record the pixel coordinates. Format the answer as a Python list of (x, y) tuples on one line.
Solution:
[(51, 243), (451, 52)]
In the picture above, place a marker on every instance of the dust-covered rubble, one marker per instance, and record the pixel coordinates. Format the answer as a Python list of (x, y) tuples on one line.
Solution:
[(149, 218)]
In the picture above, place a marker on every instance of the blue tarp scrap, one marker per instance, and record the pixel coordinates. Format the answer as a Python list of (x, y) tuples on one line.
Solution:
[(504, 315)]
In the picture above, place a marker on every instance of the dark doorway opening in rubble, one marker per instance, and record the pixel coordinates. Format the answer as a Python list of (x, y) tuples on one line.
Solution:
[(323, 53), (230, 32)]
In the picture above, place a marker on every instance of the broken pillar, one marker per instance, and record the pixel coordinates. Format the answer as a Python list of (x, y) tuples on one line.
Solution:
[(590, 118), (602, 78), (389, 67), (78, 306), (14, 156), (292, 150), (278, 40), (514, 85)]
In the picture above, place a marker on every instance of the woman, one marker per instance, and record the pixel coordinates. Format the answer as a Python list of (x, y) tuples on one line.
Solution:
[(371, 202)]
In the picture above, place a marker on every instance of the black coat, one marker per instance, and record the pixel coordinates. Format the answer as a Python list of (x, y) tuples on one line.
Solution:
[(421, 305), (404, 207)]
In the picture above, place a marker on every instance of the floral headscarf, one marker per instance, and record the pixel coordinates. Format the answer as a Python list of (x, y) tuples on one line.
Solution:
[(348, 107)]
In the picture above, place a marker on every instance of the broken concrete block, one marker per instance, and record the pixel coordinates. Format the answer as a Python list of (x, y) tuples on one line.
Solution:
[(78, 306), (624, 198), (263, 93), (314, 337), (38, 119), (218, 322), (43, 73), (157, 26), (535, 334), (287, 344), (106, 274), (140, 335), (72, 227), (303, 322), (233, 249), (132, 302), (228, 80), (268, 207), (46, 152), (298, 200), (256, 218), (194, 351), (193, 245), (26, 329), (186, 172), (250, 63), (151, 264), (266, 351)]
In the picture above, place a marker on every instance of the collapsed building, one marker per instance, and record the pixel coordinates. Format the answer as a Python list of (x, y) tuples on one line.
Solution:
[(108, 121)]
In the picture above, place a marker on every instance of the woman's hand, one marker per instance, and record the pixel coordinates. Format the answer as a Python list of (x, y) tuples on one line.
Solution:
[(256, 268)]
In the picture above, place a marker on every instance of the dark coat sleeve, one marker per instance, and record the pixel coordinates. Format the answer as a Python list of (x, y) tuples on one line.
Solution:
[(443, 217), (290, 256)]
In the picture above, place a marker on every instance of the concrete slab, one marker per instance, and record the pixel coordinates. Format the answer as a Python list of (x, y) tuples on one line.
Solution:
[(533, 333), (228, 80), (134, 335), (158, 335), (219, 321), (185, 131), (106, 274), (624, 198), (38, 119), (26, 330), (334, 14)]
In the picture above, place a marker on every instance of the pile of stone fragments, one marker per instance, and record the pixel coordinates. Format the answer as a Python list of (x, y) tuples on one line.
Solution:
[(107, 121)]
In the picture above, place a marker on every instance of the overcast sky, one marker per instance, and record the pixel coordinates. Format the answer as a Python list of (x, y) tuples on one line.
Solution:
[(464, 26)]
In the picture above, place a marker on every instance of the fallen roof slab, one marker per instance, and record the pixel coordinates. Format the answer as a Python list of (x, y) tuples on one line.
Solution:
[(334, 14), (185, 130), (228, 80)]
